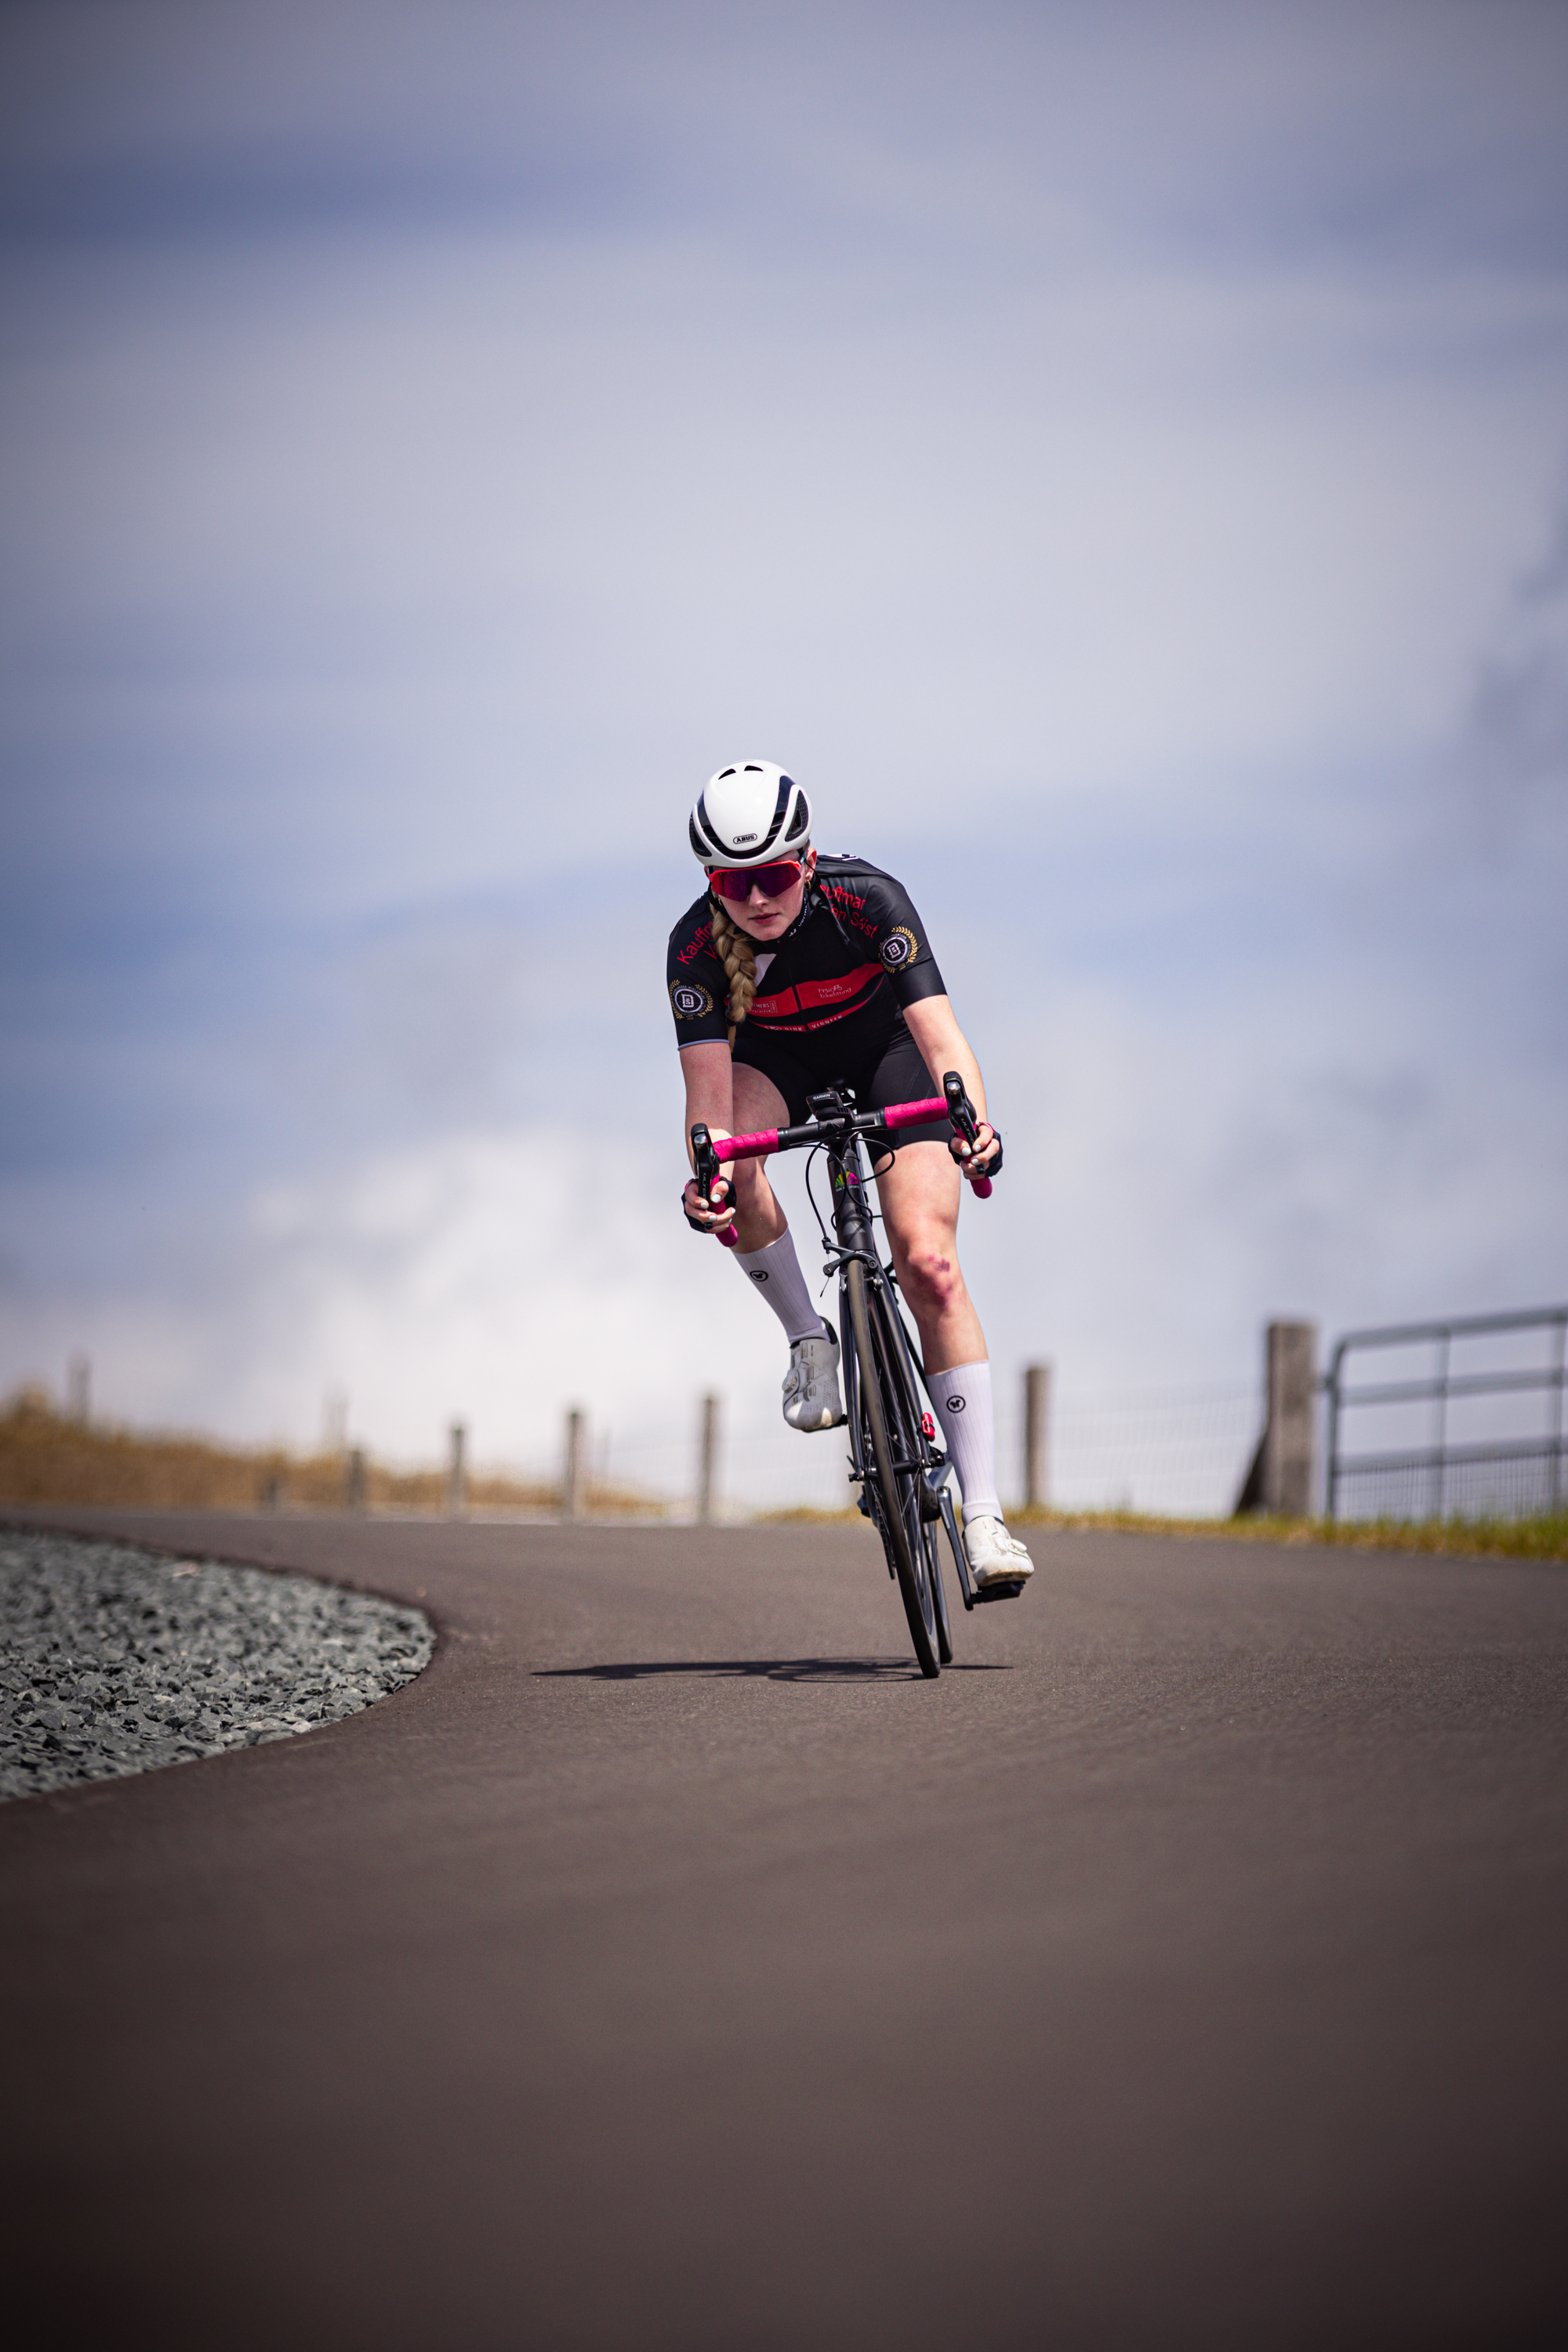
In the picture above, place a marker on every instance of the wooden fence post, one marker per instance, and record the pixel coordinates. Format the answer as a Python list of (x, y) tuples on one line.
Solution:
[(574, 1478), (1036, 1436), (708, 1463)]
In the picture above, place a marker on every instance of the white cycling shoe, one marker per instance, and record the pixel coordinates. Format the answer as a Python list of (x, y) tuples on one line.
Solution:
[(811, 1398), (995, 1557)]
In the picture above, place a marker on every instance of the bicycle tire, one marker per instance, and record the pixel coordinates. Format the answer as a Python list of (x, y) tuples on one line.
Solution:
[(912, 1410), (910, 1374), (878, 1373)]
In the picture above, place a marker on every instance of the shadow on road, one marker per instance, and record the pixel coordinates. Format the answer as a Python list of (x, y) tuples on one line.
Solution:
[(776, 1670)]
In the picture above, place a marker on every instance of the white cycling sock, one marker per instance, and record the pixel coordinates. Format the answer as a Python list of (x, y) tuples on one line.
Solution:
[(962, 1397), (775, 1273)]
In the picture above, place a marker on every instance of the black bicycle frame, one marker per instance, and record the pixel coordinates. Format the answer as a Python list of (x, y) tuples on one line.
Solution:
[(843, 1133)]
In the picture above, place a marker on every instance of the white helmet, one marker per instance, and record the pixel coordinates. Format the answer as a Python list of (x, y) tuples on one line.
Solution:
[(750, 814)]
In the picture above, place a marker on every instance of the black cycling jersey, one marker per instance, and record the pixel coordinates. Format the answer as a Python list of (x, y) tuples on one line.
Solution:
[(834, 984)]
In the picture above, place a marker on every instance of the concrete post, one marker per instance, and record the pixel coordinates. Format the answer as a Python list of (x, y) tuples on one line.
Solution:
[(1036, 1436), (79, 1390), (354, 1481), (576, 1467), (1289, 1479), (708, 1462), (457, 1473)]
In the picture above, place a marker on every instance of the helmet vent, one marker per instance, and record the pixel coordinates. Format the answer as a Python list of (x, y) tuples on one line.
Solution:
[(725, 771), (753, 769)]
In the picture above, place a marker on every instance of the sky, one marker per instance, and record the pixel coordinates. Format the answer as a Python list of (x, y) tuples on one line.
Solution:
[(1117, 456)]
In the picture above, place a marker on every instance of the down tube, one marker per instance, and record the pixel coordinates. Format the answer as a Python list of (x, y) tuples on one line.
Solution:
[(851, 1363)]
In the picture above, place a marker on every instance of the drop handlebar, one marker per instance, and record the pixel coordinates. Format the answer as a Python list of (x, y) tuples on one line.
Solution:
[(709, 1153)]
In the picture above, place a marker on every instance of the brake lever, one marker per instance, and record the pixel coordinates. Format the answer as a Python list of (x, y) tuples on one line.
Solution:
[(960, 1112), (709, 1177)]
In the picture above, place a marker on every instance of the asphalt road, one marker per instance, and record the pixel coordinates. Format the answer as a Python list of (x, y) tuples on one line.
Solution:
[(670, 1966)]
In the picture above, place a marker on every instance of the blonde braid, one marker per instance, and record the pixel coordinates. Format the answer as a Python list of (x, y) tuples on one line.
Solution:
[(734, 950)]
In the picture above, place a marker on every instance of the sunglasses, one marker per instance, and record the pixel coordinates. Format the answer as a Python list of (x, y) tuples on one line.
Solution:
[(737, 882)]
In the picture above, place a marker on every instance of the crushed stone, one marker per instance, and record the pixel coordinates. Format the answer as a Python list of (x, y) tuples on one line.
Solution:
[(114, 1660)]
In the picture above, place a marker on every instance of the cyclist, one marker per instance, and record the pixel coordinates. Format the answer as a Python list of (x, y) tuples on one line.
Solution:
[(793, 971)]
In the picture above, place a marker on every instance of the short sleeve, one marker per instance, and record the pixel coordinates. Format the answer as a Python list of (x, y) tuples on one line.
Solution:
[(902, 945), (699, 991)]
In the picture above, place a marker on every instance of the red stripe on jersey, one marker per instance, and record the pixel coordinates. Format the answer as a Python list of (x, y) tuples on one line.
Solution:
[(799, 1028), (774, 1008), (813, 993)]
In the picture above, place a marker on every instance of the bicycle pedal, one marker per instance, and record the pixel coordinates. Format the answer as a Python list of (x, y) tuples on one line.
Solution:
[(1008, 1592)]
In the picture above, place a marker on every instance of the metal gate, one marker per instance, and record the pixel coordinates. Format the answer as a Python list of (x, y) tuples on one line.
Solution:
[(1488, 1476)]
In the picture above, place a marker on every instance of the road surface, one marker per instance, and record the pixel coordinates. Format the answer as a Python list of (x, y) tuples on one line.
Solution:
[(670, 1966)]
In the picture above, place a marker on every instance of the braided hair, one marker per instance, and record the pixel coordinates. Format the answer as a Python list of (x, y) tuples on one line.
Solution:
[(734, 950)]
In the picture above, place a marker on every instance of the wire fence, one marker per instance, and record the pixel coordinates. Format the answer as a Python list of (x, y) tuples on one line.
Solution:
[(1183, 1452), (1474, 1429), (1177, 1452), (1493, 1482)]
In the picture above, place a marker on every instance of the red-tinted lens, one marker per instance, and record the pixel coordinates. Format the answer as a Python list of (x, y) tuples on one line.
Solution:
[(738, 881)]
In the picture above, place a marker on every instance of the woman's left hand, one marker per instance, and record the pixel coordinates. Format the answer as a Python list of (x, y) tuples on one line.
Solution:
[(980, 1156)]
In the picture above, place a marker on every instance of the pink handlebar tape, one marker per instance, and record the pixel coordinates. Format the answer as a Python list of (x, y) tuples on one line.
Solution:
[(766, 1140), (746, 1146), (919, 1114)]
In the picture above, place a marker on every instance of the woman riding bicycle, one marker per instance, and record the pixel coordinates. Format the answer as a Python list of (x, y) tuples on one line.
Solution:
[(792, 973)]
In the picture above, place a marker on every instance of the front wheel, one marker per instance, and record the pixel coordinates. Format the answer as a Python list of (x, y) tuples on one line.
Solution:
[(890, 1448)]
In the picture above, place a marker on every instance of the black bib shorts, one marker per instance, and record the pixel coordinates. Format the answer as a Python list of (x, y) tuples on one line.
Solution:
[(894, 1074)]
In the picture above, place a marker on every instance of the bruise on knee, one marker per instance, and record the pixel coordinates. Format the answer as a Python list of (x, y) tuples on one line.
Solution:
[(929, 1270)]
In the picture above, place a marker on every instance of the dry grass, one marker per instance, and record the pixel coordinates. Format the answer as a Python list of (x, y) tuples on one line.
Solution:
[(807, 1515), (46, 1458), (1544, 1537)]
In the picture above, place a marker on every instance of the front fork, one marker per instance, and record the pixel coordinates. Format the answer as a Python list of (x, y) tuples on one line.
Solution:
[(852, 1224), (852, 1227)]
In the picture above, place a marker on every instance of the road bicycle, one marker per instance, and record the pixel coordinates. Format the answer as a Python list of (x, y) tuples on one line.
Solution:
[(895, 1458)]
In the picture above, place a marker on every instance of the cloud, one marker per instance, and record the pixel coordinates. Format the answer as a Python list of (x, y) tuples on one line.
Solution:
[(1110, 453)]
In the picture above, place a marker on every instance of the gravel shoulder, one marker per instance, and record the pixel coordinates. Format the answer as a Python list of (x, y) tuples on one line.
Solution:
[(115, 1660)]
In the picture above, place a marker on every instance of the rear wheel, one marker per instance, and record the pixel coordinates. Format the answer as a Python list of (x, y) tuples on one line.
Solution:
[(891, 1450)]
